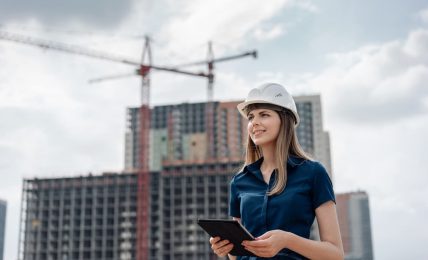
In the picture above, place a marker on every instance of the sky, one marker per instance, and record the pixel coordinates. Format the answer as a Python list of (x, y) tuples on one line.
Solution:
[(367, 59)]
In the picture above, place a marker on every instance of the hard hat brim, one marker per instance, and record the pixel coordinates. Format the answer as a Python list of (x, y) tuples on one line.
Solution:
[(241, 108)]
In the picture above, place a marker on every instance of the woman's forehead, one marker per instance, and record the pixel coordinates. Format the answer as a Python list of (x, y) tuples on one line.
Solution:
[(259, 110), (260, 107)]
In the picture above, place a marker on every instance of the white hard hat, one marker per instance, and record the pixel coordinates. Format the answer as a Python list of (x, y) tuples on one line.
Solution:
[(270, 93)]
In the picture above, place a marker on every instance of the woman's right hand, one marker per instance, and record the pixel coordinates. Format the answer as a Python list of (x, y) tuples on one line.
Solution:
[(220, 247)]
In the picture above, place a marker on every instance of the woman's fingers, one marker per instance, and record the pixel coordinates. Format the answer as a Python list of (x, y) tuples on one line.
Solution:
[(214, 240), (219, 244), (220, 247), (224, 250)]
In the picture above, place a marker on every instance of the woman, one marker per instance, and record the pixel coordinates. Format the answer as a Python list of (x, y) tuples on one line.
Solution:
[(280, 191)]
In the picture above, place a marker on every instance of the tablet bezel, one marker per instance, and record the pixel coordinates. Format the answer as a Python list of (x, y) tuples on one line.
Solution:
[(211, 226)]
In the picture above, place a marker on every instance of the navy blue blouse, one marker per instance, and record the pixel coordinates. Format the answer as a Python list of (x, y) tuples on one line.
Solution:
[(308, 186)]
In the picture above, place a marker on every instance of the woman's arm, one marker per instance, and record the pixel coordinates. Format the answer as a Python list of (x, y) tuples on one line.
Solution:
[(329, 248)]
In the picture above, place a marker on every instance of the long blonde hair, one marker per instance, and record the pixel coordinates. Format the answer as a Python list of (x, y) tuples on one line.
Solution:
[(286, 144)]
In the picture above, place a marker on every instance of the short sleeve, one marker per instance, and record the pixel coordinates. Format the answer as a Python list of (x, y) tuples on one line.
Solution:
[(234, 201), (322, 187)]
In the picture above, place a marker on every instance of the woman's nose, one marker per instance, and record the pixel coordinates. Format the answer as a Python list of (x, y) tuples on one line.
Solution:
[(255, 121)]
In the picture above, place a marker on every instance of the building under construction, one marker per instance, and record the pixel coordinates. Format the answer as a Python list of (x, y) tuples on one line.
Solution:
[(115, 216), (85, 217)]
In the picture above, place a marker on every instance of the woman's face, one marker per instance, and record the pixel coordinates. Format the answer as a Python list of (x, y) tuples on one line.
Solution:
[(263, 126)]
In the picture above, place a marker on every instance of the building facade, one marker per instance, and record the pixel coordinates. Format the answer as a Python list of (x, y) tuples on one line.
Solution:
[(312, 136), (179, 133), (85, 217), (354, 219), (3, 207), (95, 217), (186, 193)]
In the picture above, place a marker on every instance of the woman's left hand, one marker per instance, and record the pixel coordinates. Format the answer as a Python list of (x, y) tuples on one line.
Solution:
[(268, 244)]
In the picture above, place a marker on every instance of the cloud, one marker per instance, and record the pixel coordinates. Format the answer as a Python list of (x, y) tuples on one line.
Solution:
[(50, 13), (423, 15), (307, 5), (50, 121), (195, 25), (262, 34), (377, 84)]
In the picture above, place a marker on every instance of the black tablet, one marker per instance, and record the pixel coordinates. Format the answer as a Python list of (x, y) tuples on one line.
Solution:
[(228, 229)]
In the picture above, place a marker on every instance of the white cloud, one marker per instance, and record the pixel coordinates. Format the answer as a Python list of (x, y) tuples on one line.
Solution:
[(423, 15), (269, 33), (416, 45), (235, 20), (51, 13), (307, 5), (377, 84)]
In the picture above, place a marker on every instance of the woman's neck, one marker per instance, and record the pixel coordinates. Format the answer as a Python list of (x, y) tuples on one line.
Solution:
[(268, 157)]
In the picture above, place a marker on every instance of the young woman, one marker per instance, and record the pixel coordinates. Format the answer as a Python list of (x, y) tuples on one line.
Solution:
[(280, 190)]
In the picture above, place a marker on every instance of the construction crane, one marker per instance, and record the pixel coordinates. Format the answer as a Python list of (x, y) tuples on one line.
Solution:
[(143, 69), (210, 61)]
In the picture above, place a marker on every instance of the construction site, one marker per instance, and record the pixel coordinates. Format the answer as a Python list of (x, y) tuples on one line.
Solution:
[(128, 215), (177, 165)]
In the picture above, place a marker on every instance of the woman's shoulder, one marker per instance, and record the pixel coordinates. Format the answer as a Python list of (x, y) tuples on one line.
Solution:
[(253, 167), (310, 166), (318, 172), (239, 174), (316, 165)]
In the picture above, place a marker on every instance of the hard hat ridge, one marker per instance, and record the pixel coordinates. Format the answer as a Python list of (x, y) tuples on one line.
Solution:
[(270, 93)]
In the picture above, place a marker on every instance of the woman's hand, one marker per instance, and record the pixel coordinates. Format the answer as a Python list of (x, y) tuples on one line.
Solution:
[(267, 245), (220, 247)]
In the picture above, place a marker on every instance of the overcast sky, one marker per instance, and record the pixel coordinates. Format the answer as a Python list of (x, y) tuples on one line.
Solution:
[(367, 59)]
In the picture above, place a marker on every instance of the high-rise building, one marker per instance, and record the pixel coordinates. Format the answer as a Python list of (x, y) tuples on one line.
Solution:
[(178, 133), (85, 217), (354, 219), (3, 207), (312, 136)]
